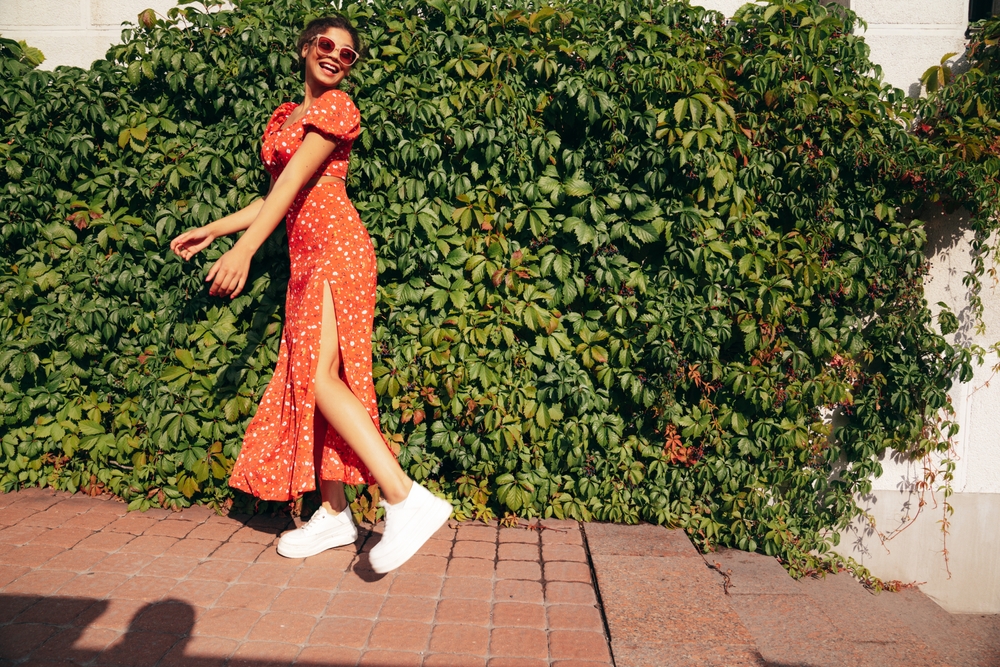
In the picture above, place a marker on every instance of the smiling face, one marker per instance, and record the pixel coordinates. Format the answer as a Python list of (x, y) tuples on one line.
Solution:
[(325, 71)]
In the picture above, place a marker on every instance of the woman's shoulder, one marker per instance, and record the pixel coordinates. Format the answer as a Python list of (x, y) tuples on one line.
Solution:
[(337, 100), (334, 113)]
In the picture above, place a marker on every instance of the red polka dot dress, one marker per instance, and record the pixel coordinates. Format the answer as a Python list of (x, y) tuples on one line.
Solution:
[(327, 243)]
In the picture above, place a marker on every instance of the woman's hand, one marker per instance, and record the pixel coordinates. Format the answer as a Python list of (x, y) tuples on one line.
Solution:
[(193, 241), (229, 273)]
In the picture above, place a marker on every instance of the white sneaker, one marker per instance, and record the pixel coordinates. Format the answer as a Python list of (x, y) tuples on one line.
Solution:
[(323, 531), (408, 524)]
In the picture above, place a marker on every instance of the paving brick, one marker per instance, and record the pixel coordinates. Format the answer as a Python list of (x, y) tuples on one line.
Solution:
[(134, 524), (475, 612), (400, 636), (264, 654), (519, 615), (62, 537), (519, 643), (418, 564), (356, 604), (11, 606), (339, 559), (139, 587), (523, 535), (225, 622), (518, 551), (578, 645), (587, 663), (436, 548), (473, 549), (247, 534), (513, 590), (565, 571), (568, 552), (242, 551), (562, 534), (472, 639), (282, 626), (468, 587), (342, 632), (67, 644), (200, 651), (333, 656), (420, 585), (39, 582), (92, 584), (91, 520), (214, 531), (117, 615), (106, 541), (167, 528), (197, 592), (154, 545), (73, 560), (18, 640), (454, 660), (406, 608), (138, 649), (446, 532), (248, 596), (275, 574), (9, 573), (13, 515), (575, 617), (390, 658), (52, 517), (55, 610), (560, 592), (122, 563), (476, 532), (170, 616), (169, 566), (192, 548), (302, 601), (517, 662), (365, 582), (21, 534), (470, 567), (31, 555), (519, 569), (329, 579), (218, 570)]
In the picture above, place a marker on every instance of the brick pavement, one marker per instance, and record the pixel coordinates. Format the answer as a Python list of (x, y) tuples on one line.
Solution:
[(84, 582)]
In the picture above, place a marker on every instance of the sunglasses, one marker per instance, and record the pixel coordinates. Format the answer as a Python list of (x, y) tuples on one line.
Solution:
[(326, 47)]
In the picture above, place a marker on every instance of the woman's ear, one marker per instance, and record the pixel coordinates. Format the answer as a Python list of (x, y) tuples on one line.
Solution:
[(305, 50)]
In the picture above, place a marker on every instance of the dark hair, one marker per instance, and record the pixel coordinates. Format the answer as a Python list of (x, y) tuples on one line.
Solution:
[(321, 25)]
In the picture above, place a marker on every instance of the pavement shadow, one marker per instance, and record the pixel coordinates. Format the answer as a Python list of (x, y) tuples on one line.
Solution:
[(69, 631)]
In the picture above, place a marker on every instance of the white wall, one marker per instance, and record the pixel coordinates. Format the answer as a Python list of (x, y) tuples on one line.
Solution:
[(72, 32)]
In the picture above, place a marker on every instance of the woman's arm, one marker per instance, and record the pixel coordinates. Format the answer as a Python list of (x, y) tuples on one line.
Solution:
[(229, 274), (191, 242)]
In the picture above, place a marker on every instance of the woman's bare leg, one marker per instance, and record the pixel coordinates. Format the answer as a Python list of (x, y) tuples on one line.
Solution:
[(334, 500), (345, 413)]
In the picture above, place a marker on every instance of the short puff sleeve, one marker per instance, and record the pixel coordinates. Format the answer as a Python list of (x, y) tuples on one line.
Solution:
[(335, 115)]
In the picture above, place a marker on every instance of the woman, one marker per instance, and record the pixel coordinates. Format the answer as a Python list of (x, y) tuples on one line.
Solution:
[(325, 356)]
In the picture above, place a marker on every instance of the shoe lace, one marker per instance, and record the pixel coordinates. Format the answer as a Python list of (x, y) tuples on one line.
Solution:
[(313, 524)]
